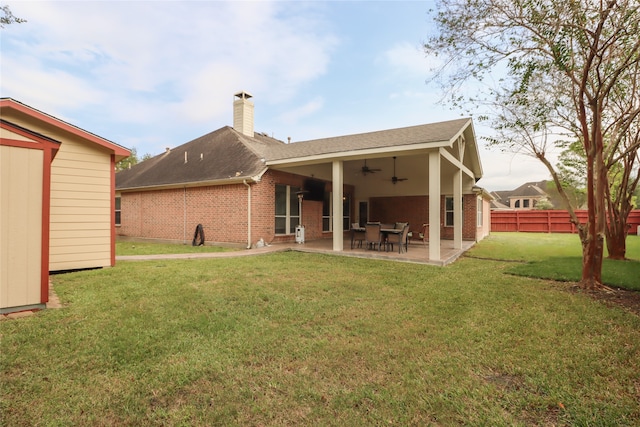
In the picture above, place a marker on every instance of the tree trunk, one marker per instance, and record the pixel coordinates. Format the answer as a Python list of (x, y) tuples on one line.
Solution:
[(616, 235), (592, 236), (592, 251)]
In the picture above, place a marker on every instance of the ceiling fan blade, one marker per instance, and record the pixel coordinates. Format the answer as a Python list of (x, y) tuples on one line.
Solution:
[(366, 169), (394, 178)]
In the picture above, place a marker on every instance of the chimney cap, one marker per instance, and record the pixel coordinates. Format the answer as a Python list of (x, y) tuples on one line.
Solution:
[(243, 95)]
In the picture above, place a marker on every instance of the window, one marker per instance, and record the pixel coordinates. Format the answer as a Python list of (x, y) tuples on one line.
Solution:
[(118, 212), (327, 212), (346, 212), (448, 211), (517, 205), (525, 203), (287, 209), (479, 212)]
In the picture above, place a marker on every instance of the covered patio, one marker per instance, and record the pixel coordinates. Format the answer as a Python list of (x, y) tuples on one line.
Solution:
[(419, 175), (417, 251)]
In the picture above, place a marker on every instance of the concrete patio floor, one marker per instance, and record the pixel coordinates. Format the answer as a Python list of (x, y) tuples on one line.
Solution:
[(417, 252)]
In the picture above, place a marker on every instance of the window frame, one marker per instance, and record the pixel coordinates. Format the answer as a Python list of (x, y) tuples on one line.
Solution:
[(449, 213), (291, 213), (327, 206), (118, 211)]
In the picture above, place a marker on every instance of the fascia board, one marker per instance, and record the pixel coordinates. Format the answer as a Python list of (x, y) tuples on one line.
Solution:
[(358, 154), (460, 132), (215, 182), (119, 151), (469, 125)]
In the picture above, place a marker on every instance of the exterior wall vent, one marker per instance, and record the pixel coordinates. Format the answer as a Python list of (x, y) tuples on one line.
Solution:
[(243, 113)]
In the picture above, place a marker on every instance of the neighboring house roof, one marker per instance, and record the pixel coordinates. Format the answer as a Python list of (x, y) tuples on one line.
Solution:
[(498, 201), (528, 190), (223, 155), (10, 106), (501, 195)]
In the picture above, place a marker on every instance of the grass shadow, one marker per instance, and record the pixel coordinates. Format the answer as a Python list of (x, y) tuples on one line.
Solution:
[(622, 274)]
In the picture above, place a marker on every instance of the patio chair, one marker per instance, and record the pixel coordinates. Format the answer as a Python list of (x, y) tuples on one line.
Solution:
[(372, 236), (403, 242), (357, 235), (424, 234)]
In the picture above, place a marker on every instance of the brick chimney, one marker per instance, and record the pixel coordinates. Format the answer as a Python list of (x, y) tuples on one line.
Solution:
[(243, 113)]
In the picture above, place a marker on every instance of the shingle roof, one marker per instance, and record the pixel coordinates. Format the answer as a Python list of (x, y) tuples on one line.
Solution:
[(219, 155), (530, 189), (227, 154), (428, 133)]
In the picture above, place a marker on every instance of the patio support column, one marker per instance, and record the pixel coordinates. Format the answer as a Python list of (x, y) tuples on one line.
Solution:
[(337, 181), (434, 205), (457, 209)]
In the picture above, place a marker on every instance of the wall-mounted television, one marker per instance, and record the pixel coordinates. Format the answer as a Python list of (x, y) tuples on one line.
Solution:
[(314, 190)]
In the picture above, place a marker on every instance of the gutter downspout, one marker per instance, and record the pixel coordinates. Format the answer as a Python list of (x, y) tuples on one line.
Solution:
[(184, 215), (244, 181)]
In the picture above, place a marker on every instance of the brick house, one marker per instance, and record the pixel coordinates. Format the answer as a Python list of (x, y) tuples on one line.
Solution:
[(533, 195), (244, 186)]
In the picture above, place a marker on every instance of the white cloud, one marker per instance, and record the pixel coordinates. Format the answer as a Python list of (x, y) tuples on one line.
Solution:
[(406, 59), (189, 56), (507, 171), (46, 89), (291, 117)]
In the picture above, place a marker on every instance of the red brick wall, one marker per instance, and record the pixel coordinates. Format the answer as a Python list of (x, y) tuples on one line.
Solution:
[(415, 211), (222, 211), (173, 214), (411, 209), (469, 228), (470, 217)]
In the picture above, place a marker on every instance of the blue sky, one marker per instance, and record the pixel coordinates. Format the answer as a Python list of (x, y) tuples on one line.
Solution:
[(156, 74)]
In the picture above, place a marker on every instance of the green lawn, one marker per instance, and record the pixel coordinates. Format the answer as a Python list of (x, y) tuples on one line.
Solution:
[(148, 248), (558, 257), (307, 339)]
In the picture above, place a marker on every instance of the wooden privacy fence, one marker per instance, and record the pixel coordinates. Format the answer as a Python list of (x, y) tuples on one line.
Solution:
[(547, 221)]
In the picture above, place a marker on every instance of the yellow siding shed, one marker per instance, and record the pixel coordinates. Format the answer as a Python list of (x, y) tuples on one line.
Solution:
[(77, 203)]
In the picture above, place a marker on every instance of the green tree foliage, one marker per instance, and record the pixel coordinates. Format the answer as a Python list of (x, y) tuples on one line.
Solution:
[(573, 174), (7, 17), (565, 63), (544, 204), (133, 159)]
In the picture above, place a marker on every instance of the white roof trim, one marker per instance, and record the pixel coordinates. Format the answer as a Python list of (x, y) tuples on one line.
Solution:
[(359, 154)]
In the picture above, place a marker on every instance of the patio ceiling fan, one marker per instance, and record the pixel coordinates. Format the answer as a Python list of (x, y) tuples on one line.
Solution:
[(366, 169), (394, 178)]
